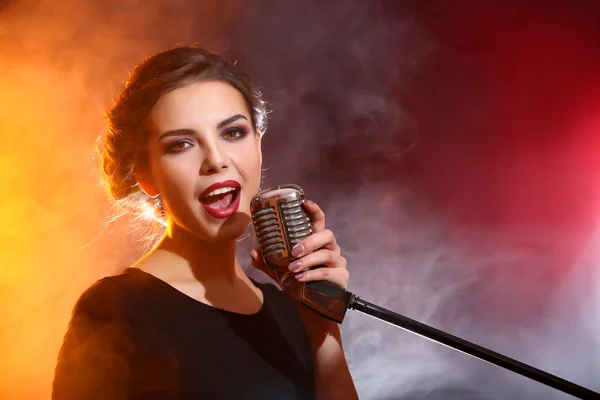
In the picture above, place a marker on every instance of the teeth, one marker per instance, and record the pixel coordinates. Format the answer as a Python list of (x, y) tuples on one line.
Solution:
[(220, 191)]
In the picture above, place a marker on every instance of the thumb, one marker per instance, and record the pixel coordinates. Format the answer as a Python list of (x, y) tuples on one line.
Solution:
[(259, 263)]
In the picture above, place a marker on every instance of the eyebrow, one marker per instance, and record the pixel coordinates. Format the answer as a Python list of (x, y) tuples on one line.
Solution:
[(187, 131), (229, 120)]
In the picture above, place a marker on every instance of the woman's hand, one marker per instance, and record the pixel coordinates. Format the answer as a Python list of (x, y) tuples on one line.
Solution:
[(319, 249)]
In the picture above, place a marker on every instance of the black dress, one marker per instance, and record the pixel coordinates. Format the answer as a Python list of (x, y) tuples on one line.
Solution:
[(133, 336)]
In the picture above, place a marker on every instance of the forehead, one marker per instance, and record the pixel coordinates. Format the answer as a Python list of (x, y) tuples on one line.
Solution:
[(197, 105)]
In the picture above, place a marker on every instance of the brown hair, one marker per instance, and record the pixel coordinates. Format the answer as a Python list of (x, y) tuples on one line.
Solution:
[(123, 147)]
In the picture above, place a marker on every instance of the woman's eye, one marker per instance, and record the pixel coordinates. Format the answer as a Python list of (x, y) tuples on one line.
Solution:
[(234, 134), (179, 146)]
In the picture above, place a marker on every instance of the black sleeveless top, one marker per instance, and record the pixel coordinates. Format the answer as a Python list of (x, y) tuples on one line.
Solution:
[(133, 336)]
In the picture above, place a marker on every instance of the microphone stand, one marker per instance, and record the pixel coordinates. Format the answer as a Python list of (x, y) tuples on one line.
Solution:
[(471, 349)]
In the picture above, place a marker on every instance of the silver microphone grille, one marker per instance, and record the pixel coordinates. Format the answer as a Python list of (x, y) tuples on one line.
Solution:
[(268, 232), (280, 222), (296, 222)]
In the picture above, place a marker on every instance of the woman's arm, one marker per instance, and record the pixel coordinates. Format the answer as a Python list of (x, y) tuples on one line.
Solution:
[(93, 362), (332, 376), (320, 250)]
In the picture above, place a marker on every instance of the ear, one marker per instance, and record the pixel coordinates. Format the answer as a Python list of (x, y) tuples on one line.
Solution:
[(259, 144), (145, 183)]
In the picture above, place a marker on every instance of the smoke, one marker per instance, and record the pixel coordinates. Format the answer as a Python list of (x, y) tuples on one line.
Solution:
[(335, 73), (497, 264), (60, 65), (386, 120), (486, 286)]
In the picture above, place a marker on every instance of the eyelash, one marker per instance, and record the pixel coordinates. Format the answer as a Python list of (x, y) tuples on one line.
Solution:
[(171, 148), (241, 133)]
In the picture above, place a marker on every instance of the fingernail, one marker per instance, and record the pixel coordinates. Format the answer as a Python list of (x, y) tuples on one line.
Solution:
[(310, 202), (295, 266), (300, 275), (296, 251)]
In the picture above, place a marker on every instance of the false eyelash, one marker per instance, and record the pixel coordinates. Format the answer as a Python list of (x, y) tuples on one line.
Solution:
[(171, 147), (242, 133)]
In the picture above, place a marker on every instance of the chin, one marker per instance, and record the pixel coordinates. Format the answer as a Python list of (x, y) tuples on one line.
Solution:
[(229, 230), (234, 227), (213, 230)]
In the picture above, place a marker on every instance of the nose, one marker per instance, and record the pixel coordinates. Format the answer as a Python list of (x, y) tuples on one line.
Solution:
[(215, 159)]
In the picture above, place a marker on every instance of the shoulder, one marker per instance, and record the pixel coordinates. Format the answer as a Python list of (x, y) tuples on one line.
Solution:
[(107, 297), (93, 361)]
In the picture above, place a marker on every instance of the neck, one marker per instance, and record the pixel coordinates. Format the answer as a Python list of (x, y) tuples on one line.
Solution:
[(188, 257)]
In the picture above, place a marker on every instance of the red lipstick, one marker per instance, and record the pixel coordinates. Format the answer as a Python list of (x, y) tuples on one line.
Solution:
[(222, 212)]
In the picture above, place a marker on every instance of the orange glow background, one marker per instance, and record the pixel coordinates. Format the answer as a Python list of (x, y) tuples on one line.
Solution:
[(60, 65)]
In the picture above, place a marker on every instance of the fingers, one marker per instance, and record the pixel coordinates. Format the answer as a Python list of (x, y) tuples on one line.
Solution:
[(257, 260), (255, 254), (317, 257), (337, 276), (316, 215), (323, 257), (323, 239), (331, 267), (319, 250), (259, 263)]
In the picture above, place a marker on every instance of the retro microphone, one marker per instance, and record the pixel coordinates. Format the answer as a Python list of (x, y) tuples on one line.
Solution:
[(280, 222)]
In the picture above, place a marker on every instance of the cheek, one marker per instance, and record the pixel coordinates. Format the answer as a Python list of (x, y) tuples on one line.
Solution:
[(177, 174), (249, 167), (252, 165)]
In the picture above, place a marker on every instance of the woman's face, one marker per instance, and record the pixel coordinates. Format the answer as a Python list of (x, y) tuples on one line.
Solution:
[(202, 139)]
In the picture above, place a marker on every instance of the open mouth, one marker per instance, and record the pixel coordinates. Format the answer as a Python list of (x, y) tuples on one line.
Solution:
[(221, 199)]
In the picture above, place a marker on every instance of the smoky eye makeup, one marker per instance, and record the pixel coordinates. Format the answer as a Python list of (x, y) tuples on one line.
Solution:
[(230, 130), (234, 133), (176, 145)]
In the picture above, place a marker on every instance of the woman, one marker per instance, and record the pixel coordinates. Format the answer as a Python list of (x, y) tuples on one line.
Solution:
[(184, 137)]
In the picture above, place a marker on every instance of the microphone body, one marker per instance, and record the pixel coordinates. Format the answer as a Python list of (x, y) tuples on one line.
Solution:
[(280, 222)]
